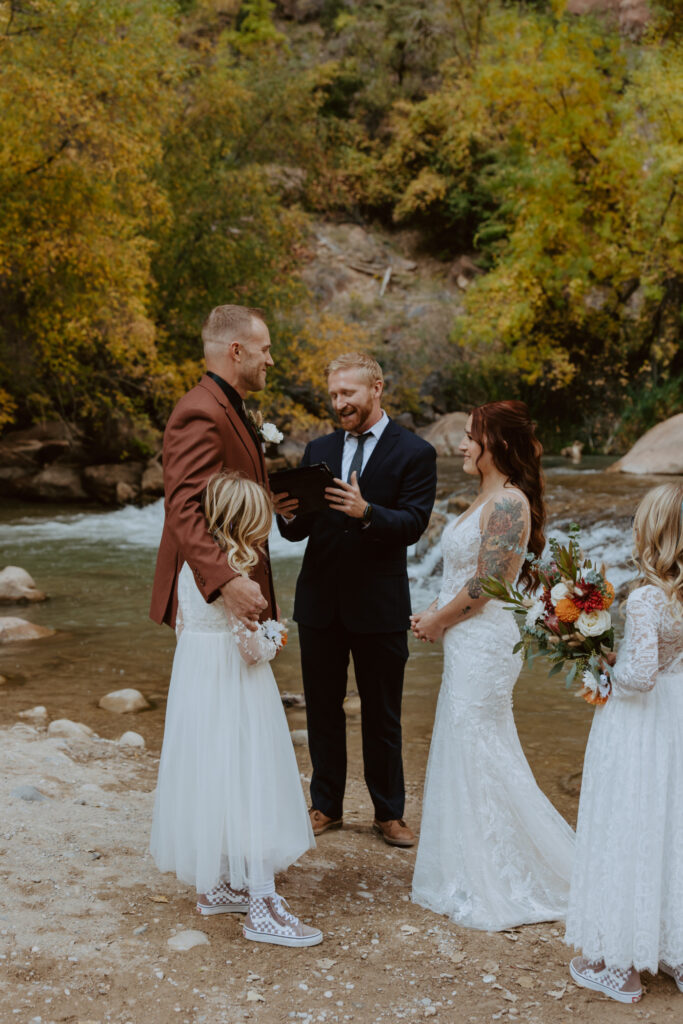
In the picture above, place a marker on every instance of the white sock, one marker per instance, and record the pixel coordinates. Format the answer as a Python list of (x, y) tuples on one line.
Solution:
[(263, 889)]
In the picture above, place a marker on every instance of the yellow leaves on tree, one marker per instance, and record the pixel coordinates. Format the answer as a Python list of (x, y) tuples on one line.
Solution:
[(81, 95)]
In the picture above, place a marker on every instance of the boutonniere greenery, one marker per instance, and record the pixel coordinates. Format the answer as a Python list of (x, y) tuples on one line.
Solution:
[(268, 432)]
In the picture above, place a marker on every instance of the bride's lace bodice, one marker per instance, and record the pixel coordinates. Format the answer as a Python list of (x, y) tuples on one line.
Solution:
[(196, 616), (484, 641), (460, 548), (652, 644)]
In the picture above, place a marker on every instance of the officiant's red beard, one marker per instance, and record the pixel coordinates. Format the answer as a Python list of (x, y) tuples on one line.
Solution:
[(353, 416)]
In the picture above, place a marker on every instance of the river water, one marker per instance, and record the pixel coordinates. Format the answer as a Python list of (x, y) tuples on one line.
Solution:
[(97, 567)]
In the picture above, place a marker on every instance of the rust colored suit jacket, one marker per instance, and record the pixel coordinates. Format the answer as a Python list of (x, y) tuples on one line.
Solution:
[(204, 435)]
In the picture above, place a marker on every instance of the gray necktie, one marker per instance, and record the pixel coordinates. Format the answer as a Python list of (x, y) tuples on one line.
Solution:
[(357, 460)]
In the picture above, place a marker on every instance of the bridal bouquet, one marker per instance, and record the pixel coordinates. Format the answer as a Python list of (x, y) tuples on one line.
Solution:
[(568, 622)]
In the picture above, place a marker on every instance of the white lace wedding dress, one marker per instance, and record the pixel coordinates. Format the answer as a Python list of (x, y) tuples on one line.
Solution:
[(493, 852), (626, 901), (229, 801)]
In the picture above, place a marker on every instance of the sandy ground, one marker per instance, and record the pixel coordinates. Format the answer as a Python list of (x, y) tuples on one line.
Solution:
[(85, 919)]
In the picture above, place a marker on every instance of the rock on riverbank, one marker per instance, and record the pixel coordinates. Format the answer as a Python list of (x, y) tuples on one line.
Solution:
[(660, 450), (18, 587)]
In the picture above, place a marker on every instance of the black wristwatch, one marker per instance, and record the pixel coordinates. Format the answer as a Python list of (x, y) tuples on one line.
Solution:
[(367, 514)]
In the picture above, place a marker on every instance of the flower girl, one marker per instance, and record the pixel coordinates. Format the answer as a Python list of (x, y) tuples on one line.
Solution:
[(626, 899), (229, 810)]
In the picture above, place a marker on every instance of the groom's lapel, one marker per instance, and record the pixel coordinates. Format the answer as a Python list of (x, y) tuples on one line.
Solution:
[(387, 441), (248, 439)]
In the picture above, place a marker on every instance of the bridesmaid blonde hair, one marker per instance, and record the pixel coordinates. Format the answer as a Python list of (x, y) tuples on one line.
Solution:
[(658, 538), (239, 516)]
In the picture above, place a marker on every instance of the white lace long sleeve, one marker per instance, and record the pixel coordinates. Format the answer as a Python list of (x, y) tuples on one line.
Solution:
[(255, 647), (635, 670)]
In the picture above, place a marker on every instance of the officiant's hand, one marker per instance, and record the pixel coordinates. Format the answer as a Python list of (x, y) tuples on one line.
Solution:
[(284, 505), (347, 498), (242, 598)]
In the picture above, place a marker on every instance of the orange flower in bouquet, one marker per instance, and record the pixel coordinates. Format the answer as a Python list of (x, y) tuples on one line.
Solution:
[(566, 610)]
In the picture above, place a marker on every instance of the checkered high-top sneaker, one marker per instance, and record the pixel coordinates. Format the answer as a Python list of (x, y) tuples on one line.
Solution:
[(674, 972), (270, 920), (611, 981), (222, 899)]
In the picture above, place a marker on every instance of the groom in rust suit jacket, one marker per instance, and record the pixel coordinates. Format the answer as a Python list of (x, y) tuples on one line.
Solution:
[(209, 431)]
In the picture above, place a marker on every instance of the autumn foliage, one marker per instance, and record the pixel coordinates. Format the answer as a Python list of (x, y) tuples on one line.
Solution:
[(147, 158)]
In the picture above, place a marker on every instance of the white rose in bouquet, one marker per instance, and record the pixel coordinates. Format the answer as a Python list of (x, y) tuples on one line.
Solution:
[(558, 592), (270, 434), (593, 623)]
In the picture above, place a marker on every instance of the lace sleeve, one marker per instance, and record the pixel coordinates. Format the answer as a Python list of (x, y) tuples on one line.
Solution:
[(256, 646), (635, 670)]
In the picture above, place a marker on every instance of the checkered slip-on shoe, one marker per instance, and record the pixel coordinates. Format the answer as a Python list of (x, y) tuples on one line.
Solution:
[(270, 920), (610, 980), (223, 900), (674, 972)]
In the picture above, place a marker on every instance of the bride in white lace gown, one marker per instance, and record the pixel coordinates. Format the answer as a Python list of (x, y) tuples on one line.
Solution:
[(493, 852)]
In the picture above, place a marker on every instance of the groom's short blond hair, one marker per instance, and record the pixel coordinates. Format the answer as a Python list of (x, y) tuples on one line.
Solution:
[(367, 367), (226, 324)]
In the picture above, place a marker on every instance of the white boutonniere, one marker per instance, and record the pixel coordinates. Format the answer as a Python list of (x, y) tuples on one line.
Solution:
[(268, 432)]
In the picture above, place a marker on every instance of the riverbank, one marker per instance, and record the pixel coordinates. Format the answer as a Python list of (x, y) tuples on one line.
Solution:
[(86, 918)]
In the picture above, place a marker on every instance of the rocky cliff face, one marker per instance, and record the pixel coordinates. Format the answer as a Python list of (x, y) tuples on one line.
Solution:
[(631, 15)]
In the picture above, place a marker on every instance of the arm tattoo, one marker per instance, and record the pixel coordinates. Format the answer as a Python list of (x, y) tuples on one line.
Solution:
[(500, 543)]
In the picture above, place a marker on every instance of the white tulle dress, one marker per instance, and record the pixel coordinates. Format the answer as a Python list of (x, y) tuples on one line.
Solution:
[(229, 802), (626, 901), (493, 852)]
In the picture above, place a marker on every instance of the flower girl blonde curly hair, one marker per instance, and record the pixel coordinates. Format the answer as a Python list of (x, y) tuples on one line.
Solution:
[(658, 539), (239, 517)]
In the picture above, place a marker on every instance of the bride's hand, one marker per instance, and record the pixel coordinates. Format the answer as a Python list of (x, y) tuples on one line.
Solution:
[(426, 626)]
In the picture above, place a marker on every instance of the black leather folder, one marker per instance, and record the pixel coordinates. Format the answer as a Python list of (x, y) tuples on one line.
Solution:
[(307, 483)]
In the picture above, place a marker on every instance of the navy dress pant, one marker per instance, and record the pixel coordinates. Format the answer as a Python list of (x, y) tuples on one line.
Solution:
[(379, 661)]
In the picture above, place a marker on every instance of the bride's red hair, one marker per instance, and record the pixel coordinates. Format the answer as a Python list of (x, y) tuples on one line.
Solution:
[(505, 429)]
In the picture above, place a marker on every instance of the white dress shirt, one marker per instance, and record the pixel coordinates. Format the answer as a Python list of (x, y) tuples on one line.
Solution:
[(351, 443)]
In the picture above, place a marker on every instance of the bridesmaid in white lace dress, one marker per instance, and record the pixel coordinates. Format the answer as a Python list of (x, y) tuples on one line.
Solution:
[(626, 900), (493, 853)]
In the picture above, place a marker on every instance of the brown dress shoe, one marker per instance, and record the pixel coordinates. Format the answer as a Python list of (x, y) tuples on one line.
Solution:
[(395, 833), (321, 823)]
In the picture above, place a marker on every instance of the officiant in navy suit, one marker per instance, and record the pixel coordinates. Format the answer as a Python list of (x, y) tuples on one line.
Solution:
[(352, 597)]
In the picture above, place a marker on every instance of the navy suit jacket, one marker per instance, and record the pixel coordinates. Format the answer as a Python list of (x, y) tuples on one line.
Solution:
[(360, 574)]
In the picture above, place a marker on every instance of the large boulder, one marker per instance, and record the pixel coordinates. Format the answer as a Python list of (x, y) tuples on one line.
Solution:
[(115, 483), (660, 450), (12, 629), (55, 483), (17, 587), (39, 445), (152, 485), (446, 432)]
